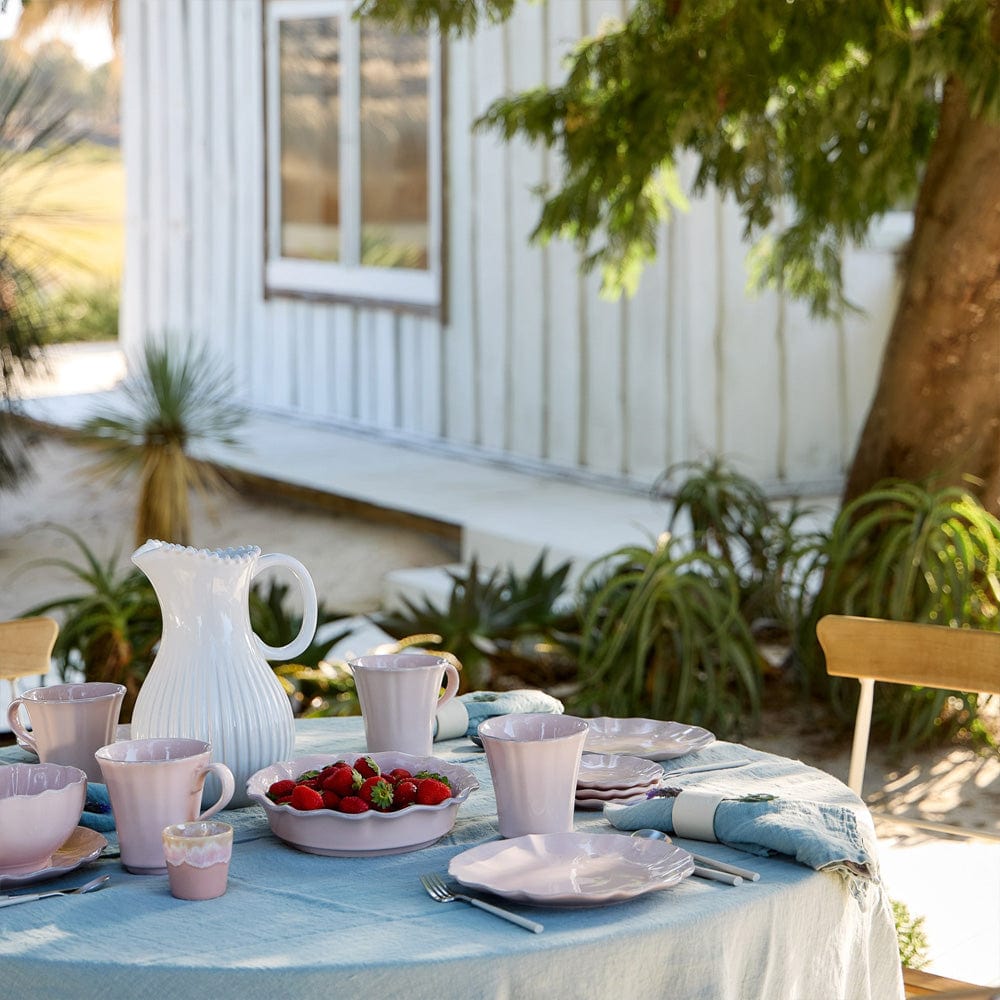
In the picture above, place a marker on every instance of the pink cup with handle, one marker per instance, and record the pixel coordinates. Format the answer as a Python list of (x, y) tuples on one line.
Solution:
[(155, 783), (400, 693), (68, 722)]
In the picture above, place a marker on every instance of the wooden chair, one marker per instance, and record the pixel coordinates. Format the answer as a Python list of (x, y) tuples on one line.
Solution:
[(26, 649), (872, 649), (951, 659)]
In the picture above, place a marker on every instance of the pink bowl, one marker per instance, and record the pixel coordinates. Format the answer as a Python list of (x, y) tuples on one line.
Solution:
[(368, 834), (40, 806)]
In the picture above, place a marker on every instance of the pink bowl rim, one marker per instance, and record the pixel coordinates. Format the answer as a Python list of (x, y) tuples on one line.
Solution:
[(372, 814), (73, 774), (575, 726), (37, 696)]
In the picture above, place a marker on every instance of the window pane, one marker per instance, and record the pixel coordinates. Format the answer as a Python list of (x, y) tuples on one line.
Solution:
[(395, 70), (310, 124)]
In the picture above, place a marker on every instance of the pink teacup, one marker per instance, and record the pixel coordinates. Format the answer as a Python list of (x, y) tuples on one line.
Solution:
[(69, 722), (153, 784), (534, 762), (400, 694)]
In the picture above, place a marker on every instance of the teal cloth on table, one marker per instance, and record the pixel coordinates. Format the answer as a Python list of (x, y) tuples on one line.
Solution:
[(97, 813), (483, 705), (293, 924), (773, 806)]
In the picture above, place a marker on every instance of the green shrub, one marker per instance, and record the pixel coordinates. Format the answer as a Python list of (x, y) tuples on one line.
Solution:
[(662, 636), (82, 313), (906, 553)]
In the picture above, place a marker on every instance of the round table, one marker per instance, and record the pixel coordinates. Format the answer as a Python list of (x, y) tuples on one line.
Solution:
[(299, 925)]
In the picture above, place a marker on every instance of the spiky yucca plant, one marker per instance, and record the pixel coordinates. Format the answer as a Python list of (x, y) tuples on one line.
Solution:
[(179, 394)]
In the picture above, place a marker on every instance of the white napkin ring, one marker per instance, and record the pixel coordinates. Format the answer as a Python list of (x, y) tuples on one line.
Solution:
[(694, 814), (451, 721)]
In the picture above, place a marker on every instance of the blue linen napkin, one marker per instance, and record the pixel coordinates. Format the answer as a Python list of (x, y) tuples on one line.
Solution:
[(773, 806), (97, 813), (482, 705)]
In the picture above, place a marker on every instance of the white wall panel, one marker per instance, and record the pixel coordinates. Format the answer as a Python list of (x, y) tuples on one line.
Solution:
[(530, 365)]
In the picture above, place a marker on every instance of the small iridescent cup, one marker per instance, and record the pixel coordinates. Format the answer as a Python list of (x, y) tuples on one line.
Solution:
[(198, 856)]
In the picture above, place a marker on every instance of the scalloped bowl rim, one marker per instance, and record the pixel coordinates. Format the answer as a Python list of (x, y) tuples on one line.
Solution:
[(292, 768), (56, 770)]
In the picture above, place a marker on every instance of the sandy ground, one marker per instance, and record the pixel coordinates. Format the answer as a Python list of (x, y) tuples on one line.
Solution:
[(347, 557)]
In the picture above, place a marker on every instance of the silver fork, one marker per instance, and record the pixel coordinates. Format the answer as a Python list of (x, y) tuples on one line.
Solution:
[(94, 883), (437, 889)]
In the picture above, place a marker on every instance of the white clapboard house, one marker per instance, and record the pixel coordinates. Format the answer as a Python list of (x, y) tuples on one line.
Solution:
[(306, 194)]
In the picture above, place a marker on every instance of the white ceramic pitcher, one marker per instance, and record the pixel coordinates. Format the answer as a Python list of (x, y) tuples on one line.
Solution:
[(210, 679)]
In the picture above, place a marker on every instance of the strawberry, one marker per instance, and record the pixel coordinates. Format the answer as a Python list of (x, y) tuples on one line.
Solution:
[(367, 768), (398, 774), (280, 789), (431, 792), (377, 792), (343, 780), (331, 800), (434, 775), (306, 798), (405, 794), (353, 804)]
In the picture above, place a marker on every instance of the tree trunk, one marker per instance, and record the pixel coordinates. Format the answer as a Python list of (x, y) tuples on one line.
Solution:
[(936, 413)]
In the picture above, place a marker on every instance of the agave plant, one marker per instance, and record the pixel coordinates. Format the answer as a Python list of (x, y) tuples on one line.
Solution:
[(908, 553), (727, 515), (495, 618), (662, 636), (178, 395)]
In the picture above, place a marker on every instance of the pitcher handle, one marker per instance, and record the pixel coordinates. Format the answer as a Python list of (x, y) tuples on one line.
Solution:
[(17, 727), (309, 611)]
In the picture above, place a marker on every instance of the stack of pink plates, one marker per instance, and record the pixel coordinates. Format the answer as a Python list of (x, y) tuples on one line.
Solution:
[(614, 778)]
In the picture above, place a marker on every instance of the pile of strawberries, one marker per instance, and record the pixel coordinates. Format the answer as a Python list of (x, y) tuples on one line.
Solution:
[(360, 787)]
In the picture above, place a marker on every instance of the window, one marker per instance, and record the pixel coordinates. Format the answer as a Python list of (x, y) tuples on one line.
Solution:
[(353, 156)]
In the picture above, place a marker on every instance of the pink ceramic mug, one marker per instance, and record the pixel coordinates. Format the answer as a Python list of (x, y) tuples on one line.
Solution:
[(69, 722), (400, 693), (153, 784), (534, 762)]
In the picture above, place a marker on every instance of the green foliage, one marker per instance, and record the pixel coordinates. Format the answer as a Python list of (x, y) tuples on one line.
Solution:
[(825, 109), (907, 553), (912, 938), (728, 516), (110, 630), (662, 636), (490, 617), (82, 313), (180, 394), (459, 16), (33, 135)]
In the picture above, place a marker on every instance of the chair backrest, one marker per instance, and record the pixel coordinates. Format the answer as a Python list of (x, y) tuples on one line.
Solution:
[(952, 659), (872, 649), (26, 646)]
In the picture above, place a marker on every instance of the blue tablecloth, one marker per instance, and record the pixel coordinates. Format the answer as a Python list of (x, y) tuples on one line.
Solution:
[(298, 925)]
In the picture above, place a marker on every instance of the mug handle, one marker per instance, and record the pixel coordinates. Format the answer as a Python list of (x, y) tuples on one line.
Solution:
[(309, 611), (17, 728), (225, 777), (451, 686)]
